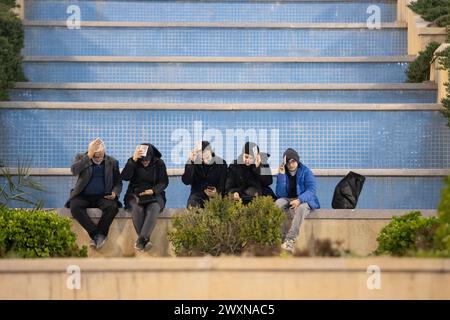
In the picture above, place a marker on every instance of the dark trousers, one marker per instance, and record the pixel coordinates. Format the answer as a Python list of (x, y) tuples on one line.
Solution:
[(78, 208), (144, 218), (197, 199)]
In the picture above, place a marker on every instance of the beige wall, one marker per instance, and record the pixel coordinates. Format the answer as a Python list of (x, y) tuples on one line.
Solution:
[(225, 278)]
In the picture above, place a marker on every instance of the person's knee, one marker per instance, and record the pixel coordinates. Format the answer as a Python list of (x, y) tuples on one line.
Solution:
[(111, 206), (281, 203)]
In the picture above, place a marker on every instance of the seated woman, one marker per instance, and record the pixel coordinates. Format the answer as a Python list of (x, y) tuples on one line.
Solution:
[(206, 173), (250, 175), (145, 197)]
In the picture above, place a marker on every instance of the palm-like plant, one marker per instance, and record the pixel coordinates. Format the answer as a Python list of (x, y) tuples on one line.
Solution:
[(17, 186)]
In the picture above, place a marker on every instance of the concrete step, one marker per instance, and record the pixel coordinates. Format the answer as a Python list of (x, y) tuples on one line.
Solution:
[(213, 11), (234, 40)]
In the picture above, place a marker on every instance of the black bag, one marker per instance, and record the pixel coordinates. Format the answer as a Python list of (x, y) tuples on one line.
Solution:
[(145, 198), (347, 191)]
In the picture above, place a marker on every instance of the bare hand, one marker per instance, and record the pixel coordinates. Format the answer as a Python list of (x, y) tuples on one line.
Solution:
[(112, 196), (282, 169), (148, 192), (137, 154), (294, 203), (236, 196), (258, 160), (211, 192), (93, 147)]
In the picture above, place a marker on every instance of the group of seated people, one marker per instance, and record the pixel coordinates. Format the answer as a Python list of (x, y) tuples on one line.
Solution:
[(99, 184)]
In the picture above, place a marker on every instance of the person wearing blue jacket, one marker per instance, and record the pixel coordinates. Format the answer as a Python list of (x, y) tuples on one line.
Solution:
[(296, 193)]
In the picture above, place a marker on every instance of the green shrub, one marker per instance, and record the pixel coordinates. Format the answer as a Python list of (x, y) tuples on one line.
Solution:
[(444, 60), (226, 226), (435, 11), (11, 43), (37, 234), (442, 235), (406, 235), (419, 69)]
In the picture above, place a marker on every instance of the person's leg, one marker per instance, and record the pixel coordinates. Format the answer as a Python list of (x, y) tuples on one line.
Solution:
[(109, 209), (78, 208), (137, 215), (282, 203), (300, 213), (196, 200), (151, 216)]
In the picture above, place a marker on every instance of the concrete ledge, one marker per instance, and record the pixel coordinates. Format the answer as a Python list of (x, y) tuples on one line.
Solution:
[(357, 231), (333, 214), (226, 278), (240, 25), (193, 59), (226, 86), (221, 106)]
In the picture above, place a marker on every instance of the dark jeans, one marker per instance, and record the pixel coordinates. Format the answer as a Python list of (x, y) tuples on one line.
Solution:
[(197, 199), (144, 218), (80, 203)]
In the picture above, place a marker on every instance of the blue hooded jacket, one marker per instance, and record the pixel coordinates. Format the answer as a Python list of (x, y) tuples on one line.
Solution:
[(306, 186)]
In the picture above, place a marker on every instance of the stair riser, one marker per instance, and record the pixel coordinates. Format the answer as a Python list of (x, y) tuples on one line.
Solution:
[(226, 96), (217, 11), (216, 72), (377, 193), (324, 139), (60, 41)]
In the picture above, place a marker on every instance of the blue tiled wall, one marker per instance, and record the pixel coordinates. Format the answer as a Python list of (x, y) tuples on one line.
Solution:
[(213, 11), (325, 139), (226, 96), (216, 72), (213, 42), (378, 192)]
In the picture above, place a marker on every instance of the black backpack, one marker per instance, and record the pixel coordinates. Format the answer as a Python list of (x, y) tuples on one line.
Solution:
[(347, 191)]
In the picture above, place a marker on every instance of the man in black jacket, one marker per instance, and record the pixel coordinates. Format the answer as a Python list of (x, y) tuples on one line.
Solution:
[(206, 173), (250, 175), (98, 186)]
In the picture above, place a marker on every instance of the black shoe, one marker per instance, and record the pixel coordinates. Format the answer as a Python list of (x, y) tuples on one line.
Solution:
[(99, 241)]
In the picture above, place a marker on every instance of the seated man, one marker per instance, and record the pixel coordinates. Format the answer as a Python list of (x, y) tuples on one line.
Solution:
[(249, 175), (296, 190), (206, 173), (98, 186)]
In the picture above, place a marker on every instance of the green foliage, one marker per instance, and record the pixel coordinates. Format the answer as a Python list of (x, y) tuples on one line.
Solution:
[(419, 69), (11, 43), (405, 235), (442, 235), (435, 11), (19, 187), (444, 60), (36, 234), (226, 226)]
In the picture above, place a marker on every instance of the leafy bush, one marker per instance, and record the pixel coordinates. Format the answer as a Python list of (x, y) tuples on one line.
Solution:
[(403, 234), (37, 234), (11, 43), (444, 60), (435, 11), (419, 69), (226, 226), (442, 235)]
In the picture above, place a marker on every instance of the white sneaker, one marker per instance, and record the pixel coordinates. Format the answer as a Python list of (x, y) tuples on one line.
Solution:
[(288, 245)]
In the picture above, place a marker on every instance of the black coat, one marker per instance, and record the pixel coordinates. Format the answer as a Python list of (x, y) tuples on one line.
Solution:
[(241, 177), (347, 191), (154, 177), (199, 176)]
